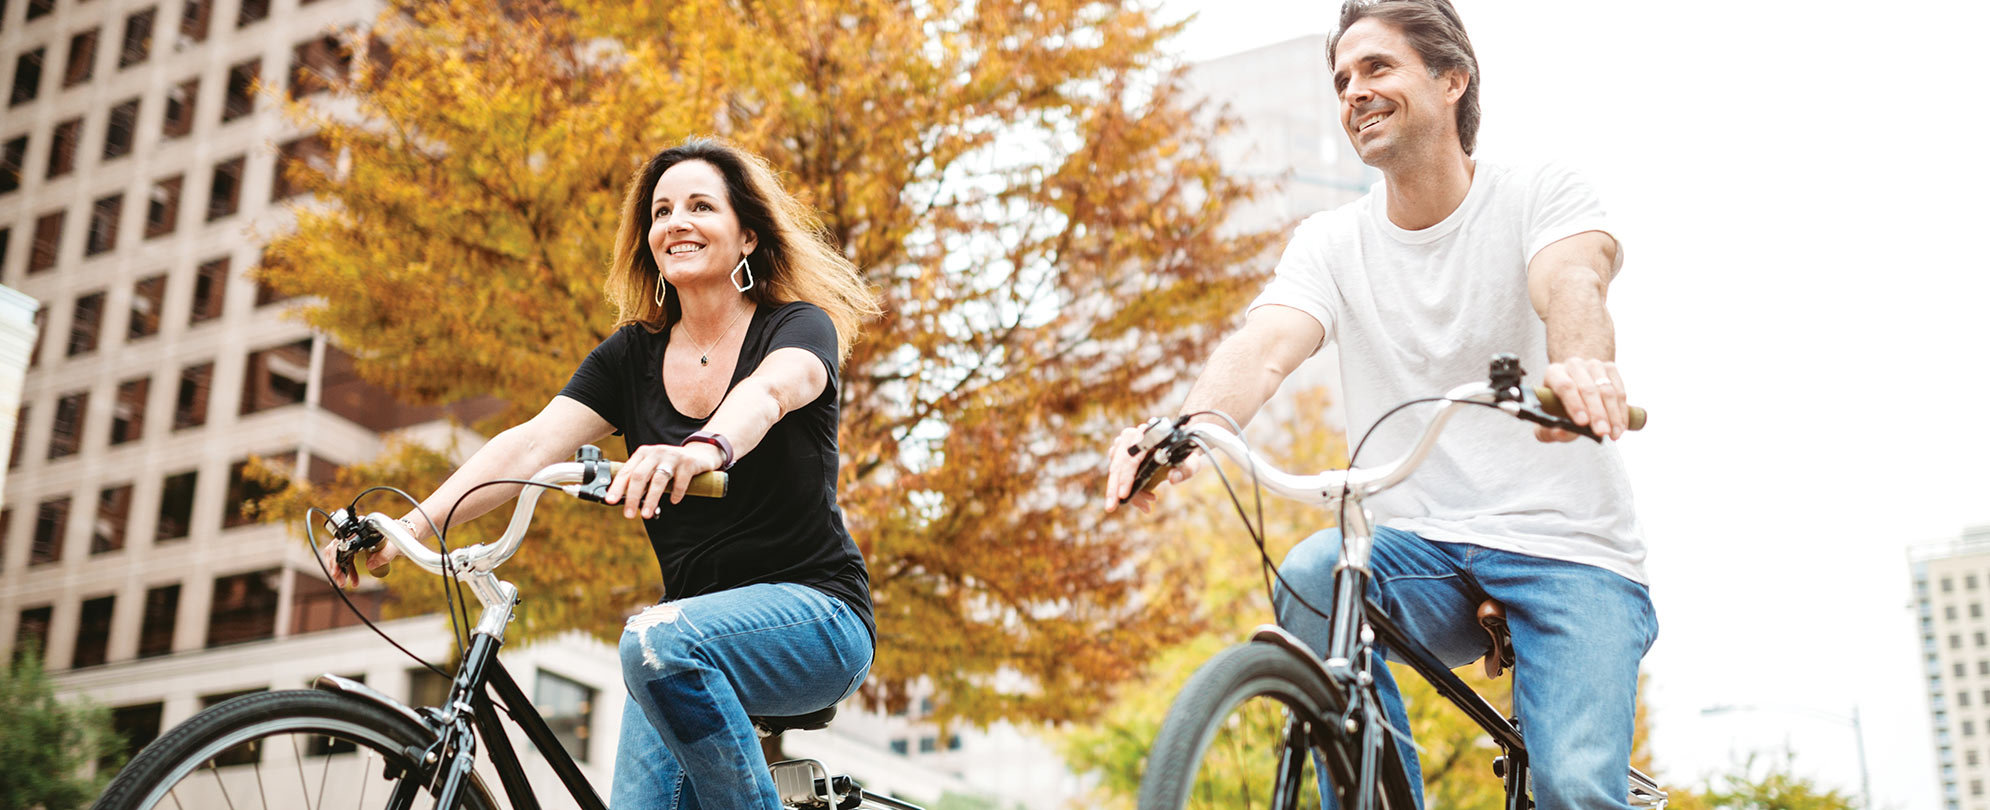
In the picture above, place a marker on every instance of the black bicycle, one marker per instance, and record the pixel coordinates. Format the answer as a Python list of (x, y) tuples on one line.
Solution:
[(1245, 730), (343, 744)]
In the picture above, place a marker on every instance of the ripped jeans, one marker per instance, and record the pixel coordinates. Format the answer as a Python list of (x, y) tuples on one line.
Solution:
[(697, 668)]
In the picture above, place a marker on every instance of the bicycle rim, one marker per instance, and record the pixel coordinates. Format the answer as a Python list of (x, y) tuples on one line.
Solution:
[(302, 749)]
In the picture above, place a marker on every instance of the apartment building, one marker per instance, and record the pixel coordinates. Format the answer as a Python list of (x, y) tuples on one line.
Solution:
[(1951, 589)]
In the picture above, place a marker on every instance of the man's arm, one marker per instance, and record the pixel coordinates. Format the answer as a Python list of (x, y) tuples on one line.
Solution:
[(1242, 374), (1568, 282)]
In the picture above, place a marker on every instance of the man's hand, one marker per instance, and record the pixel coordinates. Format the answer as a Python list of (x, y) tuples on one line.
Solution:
[(1121, 468), (1593, 393)]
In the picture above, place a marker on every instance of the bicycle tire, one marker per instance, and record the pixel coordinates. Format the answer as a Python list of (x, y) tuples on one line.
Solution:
[(180, 771), (1196, 761)]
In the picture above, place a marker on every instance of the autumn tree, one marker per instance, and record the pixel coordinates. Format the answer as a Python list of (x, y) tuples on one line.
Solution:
[(1028, 186)]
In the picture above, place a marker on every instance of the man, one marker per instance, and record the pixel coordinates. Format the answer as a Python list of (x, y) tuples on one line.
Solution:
[(1445, 263)]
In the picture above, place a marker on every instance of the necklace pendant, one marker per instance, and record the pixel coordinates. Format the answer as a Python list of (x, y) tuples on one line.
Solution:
[(704, 361)]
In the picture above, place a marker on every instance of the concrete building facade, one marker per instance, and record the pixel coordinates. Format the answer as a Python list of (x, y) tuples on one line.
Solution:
[(1951, 595)]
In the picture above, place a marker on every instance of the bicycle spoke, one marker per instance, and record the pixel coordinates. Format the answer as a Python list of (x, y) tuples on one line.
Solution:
[(218, 783), (363, 771), (174, 794), (303, 787), (261, 792), (323, 773)]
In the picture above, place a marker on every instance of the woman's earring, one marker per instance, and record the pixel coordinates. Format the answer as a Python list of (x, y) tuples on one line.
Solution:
[(659, 289), (735, 275)]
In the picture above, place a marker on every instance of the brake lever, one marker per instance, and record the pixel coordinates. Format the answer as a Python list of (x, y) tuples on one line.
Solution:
[(1159, 435), (1534, 414)]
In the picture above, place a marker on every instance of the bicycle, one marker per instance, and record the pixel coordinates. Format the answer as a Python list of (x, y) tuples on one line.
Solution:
[(343, 725), (1276, 685)]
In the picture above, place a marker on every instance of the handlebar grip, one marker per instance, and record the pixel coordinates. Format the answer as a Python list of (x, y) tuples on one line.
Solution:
[(714, 484), (1553, 405)]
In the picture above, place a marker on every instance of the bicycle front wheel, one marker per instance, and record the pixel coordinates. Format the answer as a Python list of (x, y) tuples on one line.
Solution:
[(1243, 734), (300, 748)]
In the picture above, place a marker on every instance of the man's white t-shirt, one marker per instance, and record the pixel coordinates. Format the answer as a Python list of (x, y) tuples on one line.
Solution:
[(1416, 313)]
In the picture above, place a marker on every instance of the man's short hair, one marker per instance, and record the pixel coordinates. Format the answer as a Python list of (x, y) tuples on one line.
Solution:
[(1438, 35)]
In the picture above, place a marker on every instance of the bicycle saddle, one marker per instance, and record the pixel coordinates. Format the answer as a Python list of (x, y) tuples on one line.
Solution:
[(1499, 653), (770, 726)]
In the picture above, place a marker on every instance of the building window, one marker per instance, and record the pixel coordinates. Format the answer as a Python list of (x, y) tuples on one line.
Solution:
[(276, 376), (123, 125), (568, 707), (901, 746), (40, 8), (62, 150), (128, 413), (137, 38), (93, 634), (193, 21), (314, 606), (136, 727), (1955, 641), (175, 507), (244, 608), (179, 108), (241, 99), (245, 489), (1948, 585), (32, 633), (1983, 667), (224, 192), (27, 77), (48, 237), (86, 323), (82, 58), (190, 408), (12, 158), (317, 64), (103, 225), (148, 303), (162, 206), (51, 521), (155, 631), (1948, 612), (304, 154), (928, 744), (67, 435), (210, 290), (20, 438), (253, 11), (1968, 728), (113, 515)]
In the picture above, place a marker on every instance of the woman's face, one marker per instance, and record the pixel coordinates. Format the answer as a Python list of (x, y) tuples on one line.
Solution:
[(694, 234)]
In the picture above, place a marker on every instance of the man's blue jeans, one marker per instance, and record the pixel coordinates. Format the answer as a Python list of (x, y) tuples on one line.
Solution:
[(1578, 631), (698, 668)]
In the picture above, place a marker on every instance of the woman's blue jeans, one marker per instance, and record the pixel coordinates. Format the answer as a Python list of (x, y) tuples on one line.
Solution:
[(1578, 631), (698, 668)]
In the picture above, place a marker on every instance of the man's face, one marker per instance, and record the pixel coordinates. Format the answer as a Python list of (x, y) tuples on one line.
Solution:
[(1390, 105)]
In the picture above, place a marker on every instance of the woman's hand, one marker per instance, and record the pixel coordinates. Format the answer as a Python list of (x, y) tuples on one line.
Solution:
[(658, 468), (376, 560)]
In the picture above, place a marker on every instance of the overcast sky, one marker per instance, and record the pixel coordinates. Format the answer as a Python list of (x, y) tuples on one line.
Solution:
[(1803, 309)]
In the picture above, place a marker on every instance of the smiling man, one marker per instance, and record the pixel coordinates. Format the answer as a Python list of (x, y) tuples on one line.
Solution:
[(1448, 261)]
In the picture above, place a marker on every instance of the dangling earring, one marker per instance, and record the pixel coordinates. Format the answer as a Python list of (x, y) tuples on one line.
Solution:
[(734, 278), (659, 289)]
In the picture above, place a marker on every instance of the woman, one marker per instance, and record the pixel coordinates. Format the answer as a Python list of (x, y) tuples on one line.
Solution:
[(735, 313)]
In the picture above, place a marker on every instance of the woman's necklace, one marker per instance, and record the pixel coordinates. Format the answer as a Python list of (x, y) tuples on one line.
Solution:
[(705, 355)]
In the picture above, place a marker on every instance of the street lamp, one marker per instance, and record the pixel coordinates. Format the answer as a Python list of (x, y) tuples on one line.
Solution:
[(1858, 733)]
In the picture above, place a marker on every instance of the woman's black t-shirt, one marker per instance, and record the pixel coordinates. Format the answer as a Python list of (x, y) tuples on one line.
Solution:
[(779, 522)]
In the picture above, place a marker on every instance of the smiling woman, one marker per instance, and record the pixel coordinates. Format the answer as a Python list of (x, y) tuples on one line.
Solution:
[(735, 313)]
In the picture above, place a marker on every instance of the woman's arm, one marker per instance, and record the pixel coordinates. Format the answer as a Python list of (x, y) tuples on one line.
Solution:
[(551, 436), (787, 379)]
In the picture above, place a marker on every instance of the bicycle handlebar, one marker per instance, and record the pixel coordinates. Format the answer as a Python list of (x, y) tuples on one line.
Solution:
[(571, 477), (1175, 438)]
